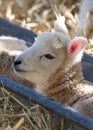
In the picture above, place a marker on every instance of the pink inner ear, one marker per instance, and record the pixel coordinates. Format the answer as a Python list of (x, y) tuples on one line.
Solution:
[(75, 45)]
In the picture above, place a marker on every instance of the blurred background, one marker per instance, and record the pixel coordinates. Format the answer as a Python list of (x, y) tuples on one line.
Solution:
[(38, 16)]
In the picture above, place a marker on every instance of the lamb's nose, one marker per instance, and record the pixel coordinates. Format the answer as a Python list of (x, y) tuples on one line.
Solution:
[(17, 62)]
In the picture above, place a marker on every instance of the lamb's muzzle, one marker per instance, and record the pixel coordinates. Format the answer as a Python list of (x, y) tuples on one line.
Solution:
[(16, 64)]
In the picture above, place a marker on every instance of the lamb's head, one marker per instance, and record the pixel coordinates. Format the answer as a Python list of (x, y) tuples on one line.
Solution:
[(49, 52)]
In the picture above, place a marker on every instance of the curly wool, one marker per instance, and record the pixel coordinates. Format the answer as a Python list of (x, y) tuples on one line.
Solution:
[(68, 87)]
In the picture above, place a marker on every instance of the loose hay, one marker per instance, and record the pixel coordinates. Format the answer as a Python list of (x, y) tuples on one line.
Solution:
[(18, 114)]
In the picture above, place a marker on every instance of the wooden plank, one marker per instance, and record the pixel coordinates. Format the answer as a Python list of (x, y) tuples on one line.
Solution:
[(65, 112)]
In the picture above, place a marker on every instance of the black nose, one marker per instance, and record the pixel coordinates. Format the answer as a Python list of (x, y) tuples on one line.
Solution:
[(17, 62)]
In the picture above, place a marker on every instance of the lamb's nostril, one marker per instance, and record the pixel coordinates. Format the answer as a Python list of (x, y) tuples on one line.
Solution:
[(17, 62)]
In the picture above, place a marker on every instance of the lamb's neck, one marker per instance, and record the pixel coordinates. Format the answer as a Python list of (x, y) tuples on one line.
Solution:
[(63, 85)]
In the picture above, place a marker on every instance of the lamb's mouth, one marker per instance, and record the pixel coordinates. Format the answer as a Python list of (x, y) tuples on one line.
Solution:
[(18, 70)]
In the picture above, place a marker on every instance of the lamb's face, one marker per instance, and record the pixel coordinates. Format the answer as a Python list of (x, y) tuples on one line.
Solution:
[(42, 59), (49, 52)]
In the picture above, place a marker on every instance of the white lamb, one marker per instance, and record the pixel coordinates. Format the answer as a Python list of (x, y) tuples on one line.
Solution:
[(53, 63)]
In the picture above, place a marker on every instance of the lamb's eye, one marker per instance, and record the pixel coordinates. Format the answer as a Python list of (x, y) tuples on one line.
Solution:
[(49, 56)]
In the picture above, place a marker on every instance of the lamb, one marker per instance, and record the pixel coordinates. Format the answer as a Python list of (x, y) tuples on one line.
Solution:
[(85, 25), (9, 48), (53, 62)]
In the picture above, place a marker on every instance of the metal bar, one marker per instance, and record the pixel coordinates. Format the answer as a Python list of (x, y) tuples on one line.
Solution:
[(87, 58), (66, 112), (9, 29)]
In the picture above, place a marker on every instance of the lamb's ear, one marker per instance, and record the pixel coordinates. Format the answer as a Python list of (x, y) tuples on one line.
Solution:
[(75, 49), (59, 25)]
